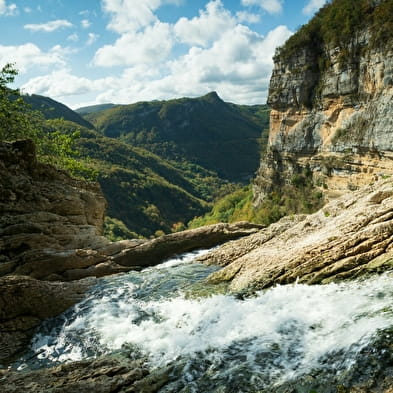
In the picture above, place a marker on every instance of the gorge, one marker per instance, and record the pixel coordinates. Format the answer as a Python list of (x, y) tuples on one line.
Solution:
[(303, 305)]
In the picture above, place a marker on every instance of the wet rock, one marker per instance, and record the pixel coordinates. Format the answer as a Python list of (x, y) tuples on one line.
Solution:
[(26, 302), (113, 373)]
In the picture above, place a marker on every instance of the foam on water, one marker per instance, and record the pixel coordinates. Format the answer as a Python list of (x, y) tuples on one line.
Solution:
[(281, 333)]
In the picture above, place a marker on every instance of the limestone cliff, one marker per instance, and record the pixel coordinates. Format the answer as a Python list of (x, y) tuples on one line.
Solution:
[(331, 95)]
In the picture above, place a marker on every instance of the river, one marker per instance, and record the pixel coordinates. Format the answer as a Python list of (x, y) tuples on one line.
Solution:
[(220, 342)]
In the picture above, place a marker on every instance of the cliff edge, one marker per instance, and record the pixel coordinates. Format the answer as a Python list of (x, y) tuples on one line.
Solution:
[(331, 94)]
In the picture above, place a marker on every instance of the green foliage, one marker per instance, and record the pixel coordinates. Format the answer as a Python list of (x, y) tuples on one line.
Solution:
[(59, 148), (55, 139), (16, 118), (116, 230), (207, 132), (337, 23), (301, 196), (236, 206), (145, 192)]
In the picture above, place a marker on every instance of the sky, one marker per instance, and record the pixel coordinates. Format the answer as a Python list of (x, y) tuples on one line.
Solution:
[(87, 52)]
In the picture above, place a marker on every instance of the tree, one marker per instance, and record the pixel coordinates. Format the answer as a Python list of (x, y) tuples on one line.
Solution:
[(55, 139), (17, 120)]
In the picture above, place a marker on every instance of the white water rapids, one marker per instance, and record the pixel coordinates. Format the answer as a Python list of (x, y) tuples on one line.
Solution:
[(278, 335)]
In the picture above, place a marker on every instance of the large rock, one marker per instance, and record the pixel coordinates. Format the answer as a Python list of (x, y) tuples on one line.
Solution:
[(350, 236), (42, 208), (115, 373), (26, 302)]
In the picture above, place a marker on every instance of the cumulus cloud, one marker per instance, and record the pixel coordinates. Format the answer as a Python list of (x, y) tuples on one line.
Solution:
[(29, 55), (7, 9), (58, 84), (49, 26), (208, 26), (312, 6), (147, 47), (244, 16), (238, 66), (271, 6), (217, 52), (240, 57), (130, 15)]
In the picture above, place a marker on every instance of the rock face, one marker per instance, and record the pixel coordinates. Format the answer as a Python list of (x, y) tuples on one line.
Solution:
[(43, 209), (331, 113), (26, 302), (352, 235)]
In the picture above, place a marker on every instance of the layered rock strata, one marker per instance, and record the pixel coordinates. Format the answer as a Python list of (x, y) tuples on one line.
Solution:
[(352, 235), (331, 114), (42, 208)]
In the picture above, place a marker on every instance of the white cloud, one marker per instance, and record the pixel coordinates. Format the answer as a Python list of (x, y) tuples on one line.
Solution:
[(271, 6), (58, 84), (244, 16), (208, 26), (240, 60), (73, 37), (222, 55), (130, 15), (238, 66), (148, 47), (312, 6), (49, 26), (7, 9), (85, 23), (92, 38), (29, 55)]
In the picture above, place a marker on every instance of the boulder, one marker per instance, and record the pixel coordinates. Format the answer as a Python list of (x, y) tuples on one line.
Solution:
[(26, 302), (348, 237)]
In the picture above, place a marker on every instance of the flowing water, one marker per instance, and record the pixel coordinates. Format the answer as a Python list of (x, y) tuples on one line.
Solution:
[(220, 343)]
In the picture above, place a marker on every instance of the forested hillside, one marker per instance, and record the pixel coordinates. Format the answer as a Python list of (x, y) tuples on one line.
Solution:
[(177, 160), (206, 131)]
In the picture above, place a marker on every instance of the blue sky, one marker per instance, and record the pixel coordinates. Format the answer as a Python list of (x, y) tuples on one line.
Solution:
[(122, 51)]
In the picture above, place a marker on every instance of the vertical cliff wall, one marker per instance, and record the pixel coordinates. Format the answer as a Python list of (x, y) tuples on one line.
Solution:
[(331, 94)]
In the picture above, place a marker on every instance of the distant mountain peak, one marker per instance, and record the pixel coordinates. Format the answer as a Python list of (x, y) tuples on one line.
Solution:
[(212, 97)]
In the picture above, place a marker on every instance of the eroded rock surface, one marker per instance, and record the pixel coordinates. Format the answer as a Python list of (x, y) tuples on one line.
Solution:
[(115, 373), (26, 302), (42, 208), (331, 116), (350, 236)]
